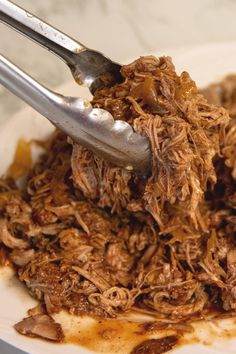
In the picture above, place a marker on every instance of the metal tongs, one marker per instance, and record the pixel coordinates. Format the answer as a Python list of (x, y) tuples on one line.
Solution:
[(93, 128)]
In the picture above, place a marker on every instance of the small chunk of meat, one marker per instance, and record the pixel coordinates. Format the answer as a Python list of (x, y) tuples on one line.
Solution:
[(37, 310), (156, 346), (41, 326), (22, 257), (8, 239)]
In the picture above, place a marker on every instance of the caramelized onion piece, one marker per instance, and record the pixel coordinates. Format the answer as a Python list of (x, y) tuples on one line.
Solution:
[(147, 92), (22, 161), (187, 88)]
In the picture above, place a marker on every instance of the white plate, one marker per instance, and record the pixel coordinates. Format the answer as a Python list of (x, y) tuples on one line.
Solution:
[(205, 64)]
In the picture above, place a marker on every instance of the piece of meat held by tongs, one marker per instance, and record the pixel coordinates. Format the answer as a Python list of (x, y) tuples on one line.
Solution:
[(93, 128)]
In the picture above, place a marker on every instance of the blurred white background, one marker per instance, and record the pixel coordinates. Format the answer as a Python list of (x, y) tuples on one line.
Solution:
[(120, 28)]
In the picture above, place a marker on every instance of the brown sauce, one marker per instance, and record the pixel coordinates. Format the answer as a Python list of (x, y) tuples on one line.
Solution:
[(122, 336), (108, 336)]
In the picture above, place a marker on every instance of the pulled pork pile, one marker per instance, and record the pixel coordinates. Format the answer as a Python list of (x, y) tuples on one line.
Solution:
[(93, 238)]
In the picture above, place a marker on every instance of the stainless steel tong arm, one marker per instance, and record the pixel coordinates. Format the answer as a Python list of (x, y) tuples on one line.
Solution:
[(93, 128), (87, 66)]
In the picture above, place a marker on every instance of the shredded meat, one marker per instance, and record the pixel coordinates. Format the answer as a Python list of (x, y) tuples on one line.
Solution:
[(22, 257), (185, 133), (224, 94), (41, 326), (92, 238), (8, 239)]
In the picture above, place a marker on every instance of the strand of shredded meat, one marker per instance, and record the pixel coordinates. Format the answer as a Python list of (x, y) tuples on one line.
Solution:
[(92, 238)]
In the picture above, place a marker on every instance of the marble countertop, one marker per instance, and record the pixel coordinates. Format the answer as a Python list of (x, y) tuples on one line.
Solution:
[(122, 29)]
